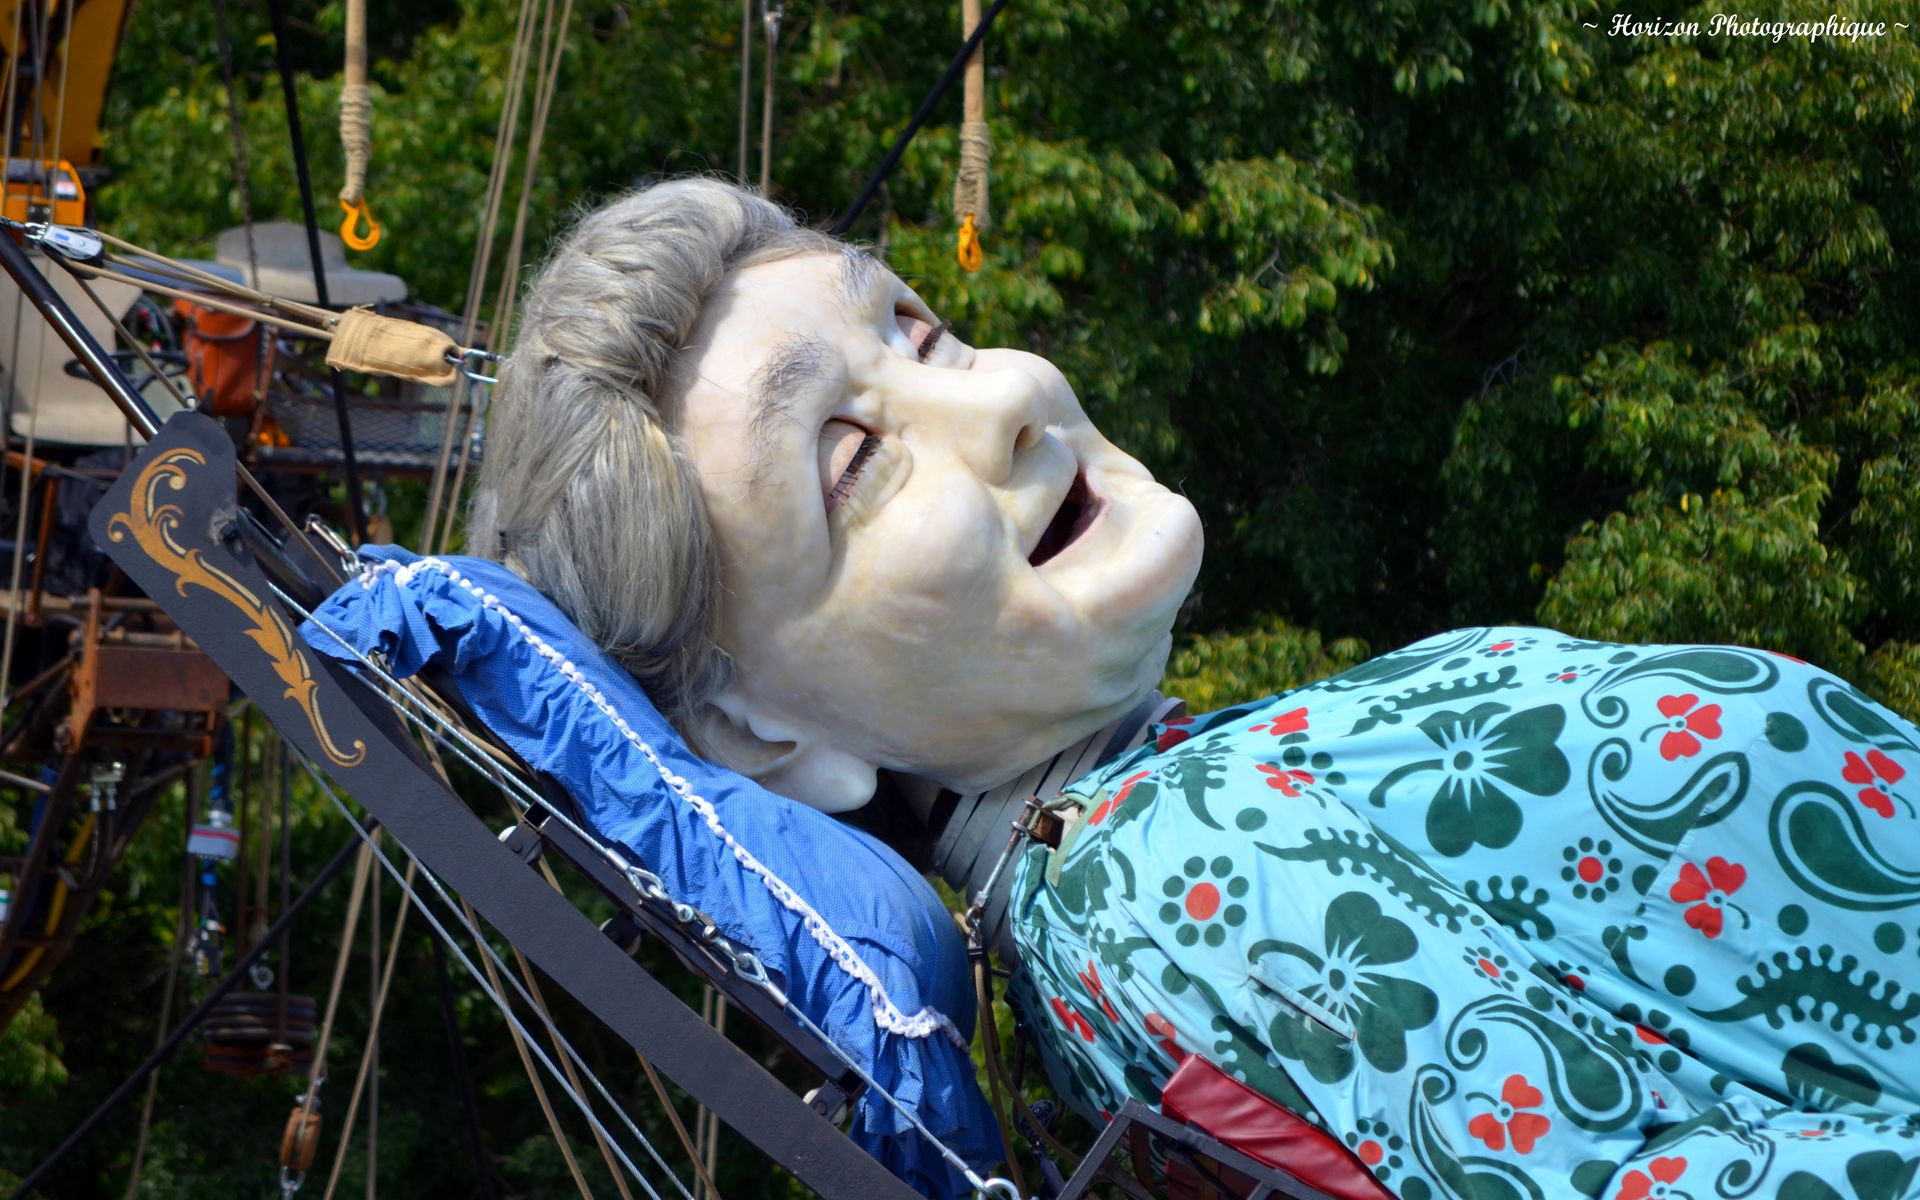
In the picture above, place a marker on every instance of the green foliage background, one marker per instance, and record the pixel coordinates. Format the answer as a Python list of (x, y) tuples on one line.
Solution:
[(1441, 313)]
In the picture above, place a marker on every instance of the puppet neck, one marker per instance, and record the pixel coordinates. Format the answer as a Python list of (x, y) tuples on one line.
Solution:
[(969, 832)]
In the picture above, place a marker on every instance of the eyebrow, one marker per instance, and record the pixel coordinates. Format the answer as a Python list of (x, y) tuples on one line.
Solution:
[(858, 269), (800, 361), (796, 363)]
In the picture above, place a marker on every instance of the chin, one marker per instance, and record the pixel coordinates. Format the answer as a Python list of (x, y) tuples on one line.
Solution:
[(1132, 588)]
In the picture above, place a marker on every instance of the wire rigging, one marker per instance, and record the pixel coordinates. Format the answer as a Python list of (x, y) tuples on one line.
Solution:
[(493, 993), (316, 321), (283, 53), (33, 1179), (423, 716), (544, 83), (503, 139), (236, 126)]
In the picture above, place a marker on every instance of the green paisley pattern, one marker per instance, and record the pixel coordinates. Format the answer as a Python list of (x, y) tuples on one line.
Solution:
[(1513, 915)]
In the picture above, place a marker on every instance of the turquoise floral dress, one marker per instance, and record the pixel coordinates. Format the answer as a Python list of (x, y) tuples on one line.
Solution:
[(1513, 916)]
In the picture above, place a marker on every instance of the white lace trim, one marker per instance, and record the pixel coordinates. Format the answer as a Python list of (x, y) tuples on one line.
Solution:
[(886, 1014)]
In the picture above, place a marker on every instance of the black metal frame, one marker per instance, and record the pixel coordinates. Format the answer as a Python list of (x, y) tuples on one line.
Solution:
[(319, 708), (346, 728)]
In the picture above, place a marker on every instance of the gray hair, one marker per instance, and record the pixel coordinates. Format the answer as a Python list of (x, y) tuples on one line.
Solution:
[(586, 490)]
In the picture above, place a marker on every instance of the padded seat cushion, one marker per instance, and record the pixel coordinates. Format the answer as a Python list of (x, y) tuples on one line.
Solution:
[(855, 936), (1203, 1095)]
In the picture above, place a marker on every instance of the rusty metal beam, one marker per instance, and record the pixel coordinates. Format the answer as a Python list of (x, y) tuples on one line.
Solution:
[(159, 680)]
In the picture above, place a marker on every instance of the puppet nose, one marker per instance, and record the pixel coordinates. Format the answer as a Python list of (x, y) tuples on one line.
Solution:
[(997, 420)]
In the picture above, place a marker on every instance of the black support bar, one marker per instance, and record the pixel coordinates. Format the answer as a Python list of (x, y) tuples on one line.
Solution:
[(188, 470)]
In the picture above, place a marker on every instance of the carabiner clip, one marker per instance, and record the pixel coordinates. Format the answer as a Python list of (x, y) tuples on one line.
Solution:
[(969, 249), (357, 211)]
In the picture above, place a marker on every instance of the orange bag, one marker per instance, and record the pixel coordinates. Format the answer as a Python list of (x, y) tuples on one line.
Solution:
[(223, 359)]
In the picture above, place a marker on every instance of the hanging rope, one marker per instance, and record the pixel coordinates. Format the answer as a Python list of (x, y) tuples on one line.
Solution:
[(33, 416), (180, 927), (746, 82), (970, 185), (920, 115), (520, 1047), (236, 126), (771, 12), (679, 1127), (552, 46), (356, 133), (370, 1054), (553, 1032), (34, 1178), (566, 1064), (706, 1126), (60, 102), (503, 139), (13, 89), (350, 465), (983, 1001), (302, 1136), (489, 986)]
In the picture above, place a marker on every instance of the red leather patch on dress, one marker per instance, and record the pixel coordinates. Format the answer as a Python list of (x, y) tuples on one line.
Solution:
[(1202, 1095)]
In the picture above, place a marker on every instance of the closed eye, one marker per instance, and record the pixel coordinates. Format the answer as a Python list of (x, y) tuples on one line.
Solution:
[(922, 335), (845, 450)]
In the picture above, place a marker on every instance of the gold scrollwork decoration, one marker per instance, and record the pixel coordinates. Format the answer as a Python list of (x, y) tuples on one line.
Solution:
[(153, 526)]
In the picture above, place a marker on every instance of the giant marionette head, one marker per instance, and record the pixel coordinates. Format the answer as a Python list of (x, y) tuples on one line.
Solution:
[(826, 534)]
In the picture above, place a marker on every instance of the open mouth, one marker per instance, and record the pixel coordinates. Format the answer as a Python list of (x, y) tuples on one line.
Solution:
[(1076, 514)]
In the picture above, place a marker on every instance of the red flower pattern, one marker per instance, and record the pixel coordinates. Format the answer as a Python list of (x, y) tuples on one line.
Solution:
[(1119, 797), (1090, 979), (1708, 892), (1655, 1181), (1163, 1030), (1687, 721), (1285, 723), (1509, 1120), (1288, 781), (1074, 1022), (1879, 773)]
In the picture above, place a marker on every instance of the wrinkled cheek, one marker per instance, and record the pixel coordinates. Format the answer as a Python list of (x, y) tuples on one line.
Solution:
[(930, 622)]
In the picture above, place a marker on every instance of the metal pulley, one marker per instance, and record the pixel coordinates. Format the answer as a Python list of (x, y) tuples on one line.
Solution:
[(299, 1143)]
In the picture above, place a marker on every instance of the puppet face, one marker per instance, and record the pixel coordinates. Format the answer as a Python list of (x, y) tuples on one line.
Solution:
[(932, 561)]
